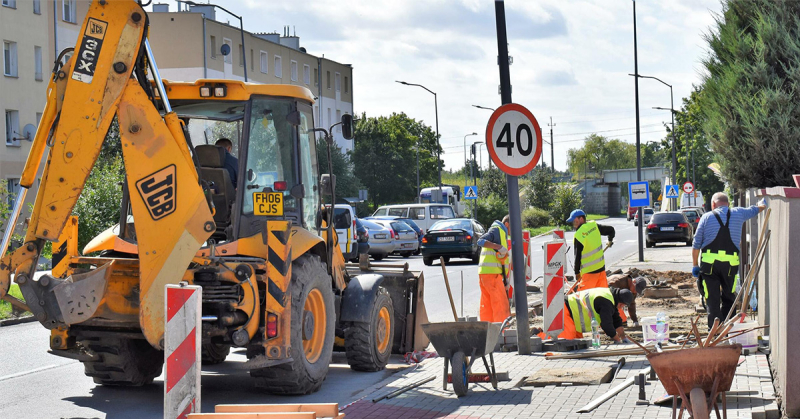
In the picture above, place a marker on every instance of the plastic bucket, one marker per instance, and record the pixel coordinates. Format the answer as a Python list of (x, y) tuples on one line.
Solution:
[(748, 340), (650, 329)]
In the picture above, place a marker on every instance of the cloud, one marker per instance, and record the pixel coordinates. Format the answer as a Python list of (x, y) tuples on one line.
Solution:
[(556, 78)]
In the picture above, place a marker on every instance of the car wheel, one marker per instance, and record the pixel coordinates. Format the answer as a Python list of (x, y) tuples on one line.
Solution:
[(427, 261), (378, 257), (648, 244), (635, 223), (476, 257)]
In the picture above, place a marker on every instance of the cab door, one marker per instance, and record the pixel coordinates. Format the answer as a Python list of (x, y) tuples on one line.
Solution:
[(344, 224)]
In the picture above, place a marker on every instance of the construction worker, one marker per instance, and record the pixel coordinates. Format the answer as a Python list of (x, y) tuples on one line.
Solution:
[(231, 162), (636, 286), (493, 268), (717, 238), (602, 304), (590, 266)]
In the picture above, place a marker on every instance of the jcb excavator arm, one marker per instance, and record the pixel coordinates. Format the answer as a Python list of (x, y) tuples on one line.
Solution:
[(172, 216)]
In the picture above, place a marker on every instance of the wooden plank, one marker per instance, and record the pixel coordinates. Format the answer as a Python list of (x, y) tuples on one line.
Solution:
[(320, 409), (271, 415)]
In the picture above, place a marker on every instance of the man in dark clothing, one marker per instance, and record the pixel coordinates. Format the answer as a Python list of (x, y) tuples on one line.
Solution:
[(231, 163), (600, 304), (636, 286), (590, 265)]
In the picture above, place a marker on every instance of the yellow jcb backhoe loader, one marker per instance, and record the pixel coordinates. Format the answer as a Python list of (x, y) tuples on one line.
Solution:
[(273, 277)]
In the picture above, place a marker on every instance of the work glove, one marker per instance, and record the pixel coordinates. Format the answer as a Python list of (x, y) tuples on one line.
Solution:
[(503, 252), (696, 271), (635, 324), (610, 243), (763, 203)]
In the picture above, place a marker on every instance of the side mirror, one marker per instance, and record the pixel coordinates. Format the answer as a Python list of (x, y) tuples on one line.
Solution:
[(327, 184), (298, 191), (347, 126)]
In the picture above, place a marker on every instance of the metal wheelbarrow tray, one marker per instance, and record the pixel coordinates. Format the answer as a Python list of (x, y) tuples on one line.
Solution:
[(461, 343)]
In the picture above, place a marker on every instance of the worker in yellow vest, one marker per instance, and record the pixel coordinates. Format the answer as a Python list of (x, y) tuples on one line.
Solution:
[(590, 265), (493, 268), (600, 304)]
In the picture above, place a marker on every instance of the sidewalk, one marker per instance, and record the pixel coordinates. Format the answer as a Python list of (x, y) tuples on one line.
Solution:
[(751, 394)]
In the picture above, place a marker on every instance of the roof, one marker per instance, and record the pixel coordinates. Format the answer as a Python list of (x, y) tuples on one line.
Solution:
[(237, 90)]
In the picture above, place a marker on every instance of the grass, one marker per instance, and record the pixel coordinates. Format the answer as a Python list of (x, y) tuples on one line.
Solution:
[(595, 217), (5, 306)]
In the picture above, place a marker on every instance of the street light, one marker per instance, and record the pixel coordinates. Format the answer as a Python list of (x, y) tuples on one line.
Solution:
[(474, 178), (241, 29), (465, 156), (438, 146), (483, 107)]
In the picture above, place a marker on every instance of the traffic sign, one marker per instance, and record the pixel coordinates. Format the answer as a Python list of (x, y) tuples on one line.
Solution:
[(688, 187), (514, 139), (639, 194), (672, 191), (470, 192)]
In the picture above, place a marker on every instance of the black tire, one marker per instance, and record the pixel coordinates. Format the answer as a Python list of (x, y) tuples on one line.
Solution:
[(123, 362), (458, 363), (427, 261), (648, 244), (477, 256), (214, 353), (302, 376), (406, 255), (378, 258), (361, 340)]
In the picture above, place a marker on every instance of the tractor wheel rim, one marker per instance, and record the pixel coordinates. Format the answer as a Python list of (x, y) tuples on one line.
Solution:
[(315, 303), (382, 333)]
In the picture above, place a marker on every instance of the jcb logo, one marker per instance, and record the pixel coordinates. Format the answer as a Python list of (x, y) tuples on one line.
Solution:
[(158, 192)]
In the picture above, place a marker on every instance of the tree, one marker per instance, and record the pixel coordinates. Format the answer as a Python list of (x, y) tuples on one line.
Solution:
[(598, 154), (385, 156), (471, 169), (540, 190), (565, 199), (750, 92), (347, 184), (493, 182)]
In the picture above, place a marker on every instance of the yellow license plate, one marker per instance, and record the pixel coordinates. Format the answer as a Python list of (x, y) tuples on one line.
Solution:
[(268, 203)]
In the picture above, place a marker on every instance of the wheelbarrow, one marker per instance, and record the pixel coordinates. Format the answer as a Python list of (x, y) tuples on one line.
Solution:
[(461, 343), (698, 376)]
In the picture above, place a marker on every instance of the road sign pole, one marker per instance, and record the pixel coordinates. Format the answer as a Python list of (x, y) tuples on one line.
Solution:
[(517, 255)]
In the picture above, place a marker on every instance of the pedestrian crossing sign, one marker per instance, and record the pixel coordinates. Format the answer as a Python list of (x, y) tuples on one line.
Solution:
[(672, 191), (470, 192)]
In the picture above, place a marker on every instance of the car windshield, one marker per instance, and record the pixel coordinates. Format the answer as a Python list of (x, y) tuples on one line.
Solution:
[(451, 225), (400, 226), (369, 225), (648, 211), (690, 214), (410, 223), (668, 218)]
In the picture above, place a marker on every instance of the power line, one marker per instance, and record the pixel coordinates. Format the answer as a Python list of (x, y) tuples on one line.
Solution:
[(608, 130)]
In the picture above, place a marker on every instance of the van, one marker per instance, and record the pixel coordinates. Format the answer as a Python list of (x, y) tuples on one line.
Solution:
[(687, 200), (422, 214), (344, 221)]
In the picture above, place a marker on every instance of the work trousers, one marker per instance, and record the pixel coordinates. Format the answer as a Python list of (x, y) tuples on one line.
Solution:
[(494, 300), (595, 280), (718, 288), (569, 331)]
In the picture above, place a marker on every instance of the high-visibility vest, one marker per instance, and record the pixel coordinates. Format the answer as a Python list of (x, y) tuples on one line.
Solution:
[(581, 305), (592, 256), (489, 263)]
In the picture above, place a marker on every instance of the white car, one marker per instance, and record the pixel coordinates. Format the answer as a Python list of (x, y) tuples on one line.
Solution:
[(648, 214)]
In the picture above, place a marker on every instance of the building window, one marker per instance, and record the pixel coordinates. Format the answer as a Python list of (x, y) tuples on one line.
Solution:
[(316, 77), (12, 127), (338, 82), (328, 79), (37, 7), (293, 66), (213, 47), (10, 3), (68, 11), (278, 67), (264, 62), (346, 85), (228, 58), (241, 55), (306, 74), (10, 58), (37, 56), (12, 186)]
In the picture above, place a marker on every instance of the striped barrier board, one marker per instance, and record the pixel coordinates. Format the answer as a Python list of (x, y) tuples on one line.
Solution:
[(182, 350), (555, 258)]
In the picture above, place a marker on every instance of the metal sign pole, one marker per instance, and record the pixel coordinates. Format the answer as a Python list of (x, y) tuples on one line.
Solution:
[(517, 255)]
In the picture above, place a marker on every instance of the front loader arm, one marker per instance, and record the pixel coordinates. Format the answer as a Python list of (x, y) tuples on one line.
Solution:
[(172, 217)]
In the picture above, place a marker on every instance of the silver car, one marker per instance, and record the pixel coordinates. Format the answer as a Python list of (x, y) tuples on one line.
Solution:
[(405, 239), (380, 239)]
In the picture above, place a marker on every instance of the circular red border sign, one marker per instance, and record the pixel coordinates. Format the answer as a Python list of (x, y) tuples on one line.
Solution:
[(684, 187), (514, 171)]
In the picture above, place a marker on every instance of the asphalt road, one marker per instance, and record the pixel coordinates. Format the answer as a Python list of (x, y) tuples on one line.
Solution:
[(36, 384)]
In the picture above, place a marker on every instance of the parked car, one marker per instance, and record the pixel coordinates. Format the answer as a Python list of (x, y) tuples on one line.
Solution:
[(403, 237), (669, 227), (408, 221), (700, 210), (693, 215), (362, 239), (344, 221), (422, 214), (380, 240), (648, 213), (457, 237)]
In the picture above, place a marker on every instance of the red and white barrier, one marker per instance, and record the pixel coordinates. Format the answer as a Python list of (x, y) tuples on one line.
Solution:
[(555, 259), (182, 351)]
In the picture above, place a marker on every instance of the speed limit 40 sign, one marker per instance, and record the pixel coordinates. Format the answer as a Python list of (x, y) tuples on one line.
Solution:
[(514, 139)]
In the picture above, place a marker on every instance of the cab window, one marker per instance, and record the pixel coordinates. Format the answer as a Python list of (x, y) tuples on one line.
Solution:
[(442, 212), (416, 213), (341, 219), (398, 212)]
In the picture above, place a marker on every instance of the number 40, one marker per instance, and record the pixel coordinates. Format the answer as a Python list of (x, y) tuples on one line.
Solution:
[(508, 143)]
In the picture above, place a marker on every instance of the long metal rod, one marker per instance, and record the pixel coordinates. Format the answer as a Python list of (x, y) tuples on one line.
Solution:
[(638, 134), (611, 393), (12, 220), (157, 77)]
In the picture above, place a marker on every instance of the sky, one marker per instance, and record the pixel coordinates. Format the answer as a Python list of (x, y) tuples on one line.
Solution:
[(571, 60)]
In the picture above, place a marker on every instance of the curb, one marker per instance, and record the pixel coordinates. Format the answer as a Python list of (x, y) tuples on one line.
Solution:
[(18, 320)]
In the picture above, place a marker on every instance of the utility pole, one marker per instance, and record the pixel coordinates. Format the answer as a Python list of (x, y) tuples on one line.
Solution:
[(419, 198), (638, 133), (552, 147)]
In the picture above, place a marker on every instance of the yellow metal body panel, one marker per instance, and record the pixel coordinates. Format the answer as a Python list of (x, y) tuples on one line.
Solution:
[(109, 240), (40, 140), (172, 216), (65, 248)]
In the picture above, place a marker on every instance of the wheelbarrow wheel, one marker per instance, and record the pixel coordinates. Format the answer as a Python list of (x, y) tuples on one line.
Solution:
[(460, 375)]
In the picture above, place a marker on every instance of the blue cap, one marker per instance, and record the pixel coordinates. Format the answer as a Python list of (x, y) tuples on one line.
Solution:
[(575, 214)]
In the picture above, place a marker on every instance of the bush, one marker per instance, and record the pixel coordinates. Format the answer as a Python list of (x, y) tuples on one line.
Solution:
[(535, 217), (490, 208), (566, 199), (98, 207), (539, 192)]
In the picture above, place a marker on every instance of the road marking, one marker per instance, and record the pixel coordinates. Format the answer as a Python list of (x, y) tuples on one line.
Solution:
[(33, 371)]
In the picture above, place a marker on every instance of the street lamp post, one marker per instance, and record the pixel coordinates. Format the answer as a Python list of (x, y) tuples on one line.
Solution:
[(488, 109), (465, 156), (241, 29), (638, 131), (475, 150), (438, 146), (672, 113), (419, 198)]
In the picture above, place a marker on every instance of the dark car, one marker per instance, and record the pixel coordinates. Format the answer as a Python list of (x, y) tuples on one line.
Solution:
[(456, 237), (362, 239), (693, 215), (669, 227), (408, 221)]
